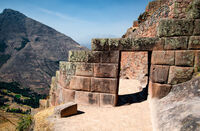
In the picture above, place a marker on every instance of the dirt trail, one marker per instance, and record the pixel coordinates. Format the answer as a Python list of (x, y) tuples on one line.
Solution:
[(133, 117)]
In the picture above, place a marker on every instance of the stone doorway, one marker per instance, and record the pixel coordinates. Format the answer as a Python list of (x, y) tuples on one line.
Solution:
[(133, 76)]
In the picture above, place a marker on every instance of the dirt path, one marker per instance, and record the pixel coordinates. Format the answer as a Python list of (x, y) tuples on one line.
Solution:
[(134, 117)]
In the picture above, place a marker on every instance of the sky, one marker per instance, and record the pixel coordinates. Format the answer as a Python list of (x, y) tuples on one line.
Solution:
[(82, 20)]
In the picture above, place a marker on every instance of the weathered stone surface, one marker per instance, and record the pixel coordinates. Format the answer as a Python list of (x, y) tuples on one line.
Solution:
[(80, 83), (85, 69), (196, 27), (172, 43), (197, 61), (87, 98), (78, 56), (146, 44), (157, 90), (68, 95), (194, 10), (184, 58), (180, 109), (100, 44), (65, 110), (175, 27), (134, 66), (179, 74), (108, 100), (94, 57), (159, 73), (110, 56), (104, 85), (194, 42), (106, 70), (114, 44), (163, 58)]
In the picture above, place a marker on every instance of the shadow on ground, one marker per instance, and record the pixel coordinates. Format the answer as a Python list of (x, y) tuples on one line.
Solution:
[(133, 98)]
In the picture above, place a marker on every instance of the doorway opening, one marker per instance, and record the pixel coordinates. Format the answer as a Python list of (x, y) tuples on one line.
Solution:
[(133, 76)]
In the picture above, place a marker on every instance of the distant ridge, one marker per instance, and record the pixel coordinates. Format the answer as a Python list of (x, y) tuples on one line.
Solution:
[(30, 51)]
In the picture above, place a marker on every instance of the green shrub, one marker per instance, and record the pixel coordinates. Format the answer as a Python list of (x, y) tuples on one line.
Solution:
[(24, 123)]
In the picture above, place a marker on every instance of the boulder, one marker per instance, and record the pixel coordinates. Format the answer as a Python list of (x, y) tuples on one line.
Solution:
[(65, 110)]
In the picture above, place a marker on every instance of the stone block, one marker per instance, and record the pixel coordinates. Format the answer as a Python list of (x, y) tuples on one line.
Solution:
[(175, 27), (194, 42), (197, 61), (179, 74), (194, 10), (85, 69), (114, 44), (159, 73), (68, 95), (196, 27), (108, 100), (87, 98), (173, 43), (106, 70), (94, 57), (104, 85), (125, 44), (65, 110), (100, 44), (145, 44), (110, 57), (157, 90), (163, 58), (78, 56), (184, 58), (80, 83)]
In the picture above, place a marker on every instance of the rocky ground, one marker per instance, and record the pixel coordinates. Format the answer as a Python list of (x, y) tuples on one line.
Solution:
[(128, 117)]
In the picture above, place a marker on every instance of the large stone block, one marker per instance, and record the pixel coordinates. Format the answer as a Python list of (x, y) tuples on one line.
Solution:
[(87, 98), (108, 100), (94, 57), (197, 61), (163, 58), (80, 83), (196, 27), (68, 95), (159, 73), (114, 44), (78, 56), (194, 10), (110, 57), (65, 110), (184, 58), (194, 42), (106, 70), (175, 27), (104, 85), (157, 90), (100, 44), (146, 44), (172, 43), (85, 69), (179, 74)]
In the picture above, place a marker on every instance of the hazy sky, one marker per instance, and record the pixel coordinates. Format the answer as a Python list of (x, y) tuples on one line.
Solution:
[(81, 19)]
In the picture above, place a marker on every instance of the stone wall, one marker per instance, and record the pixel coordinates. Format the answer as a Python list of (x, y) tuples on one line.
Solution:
[(172, 9), (92, 77)]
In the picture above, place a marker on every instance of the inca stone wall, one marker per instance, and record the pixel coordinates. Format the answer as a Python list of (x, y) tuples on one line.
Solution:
[(92, 77)]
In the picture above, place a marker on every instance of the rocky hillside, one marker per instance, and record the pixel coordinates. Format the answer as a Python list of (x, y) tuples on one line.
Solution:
[(30, 51)]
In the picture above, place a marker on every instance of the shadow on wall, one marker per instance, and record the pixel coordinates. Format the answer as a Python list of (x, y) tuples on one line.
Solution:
[(133, 98)]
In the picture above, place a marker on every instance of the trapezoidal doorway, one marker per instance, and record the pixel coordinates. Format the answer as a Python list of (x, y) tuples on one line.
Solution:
[(133, 77)]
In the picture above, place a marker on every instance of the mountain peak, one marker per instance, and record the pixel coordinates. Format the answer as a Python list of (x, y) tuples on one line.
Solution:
[(12, 12)]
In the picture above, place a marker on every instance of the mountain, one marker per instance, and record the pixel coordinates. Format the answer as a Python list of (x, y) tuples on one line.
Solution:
[(30, 51)]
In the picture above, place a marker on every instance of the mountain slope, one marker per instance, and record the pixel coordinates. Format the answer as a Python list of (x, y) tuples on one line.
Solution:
[(30, 51)]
